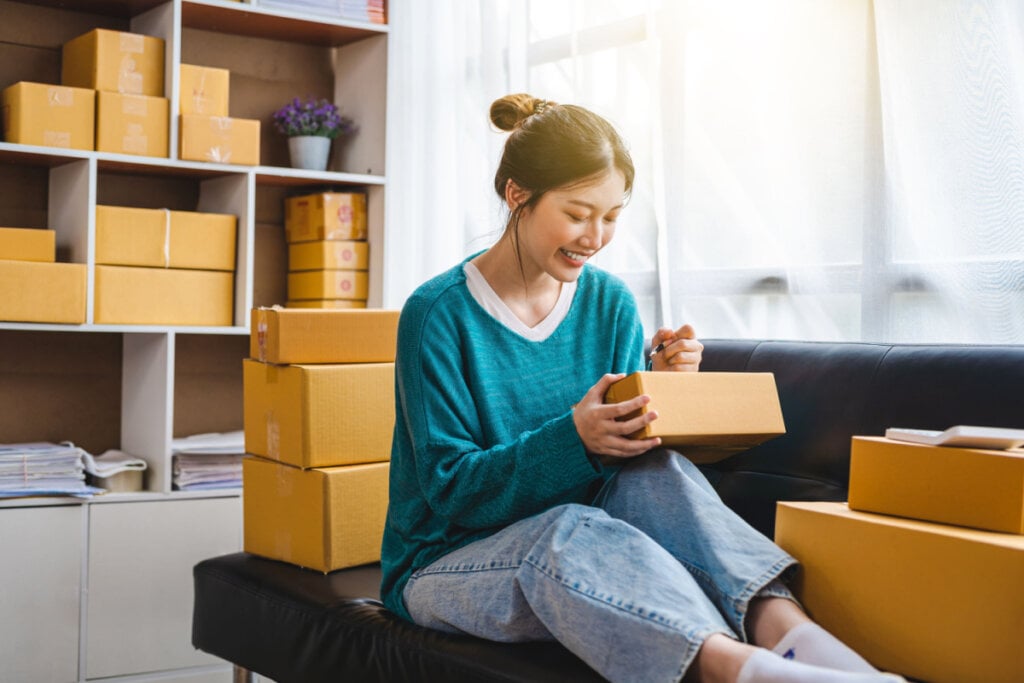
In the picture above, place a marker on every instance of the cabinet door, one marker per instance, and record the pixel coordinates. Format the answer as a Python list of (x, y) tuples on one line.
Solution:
[(40, 591), (141, 554)]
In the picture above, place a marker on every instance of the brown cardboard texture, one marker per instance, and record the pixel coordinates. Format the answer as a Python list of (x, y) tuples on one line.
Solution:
[(964, 486), (163, 296), (328, 284), (284, 336), (42, 292), (220, 139), (115, 61), (49, 115), (319, 415), (328, 255), (132, 124), (325, 216), (707, 415), (28, 244), (937, 603), (204, 90), (324, 519), (160, 238), (328, 303)]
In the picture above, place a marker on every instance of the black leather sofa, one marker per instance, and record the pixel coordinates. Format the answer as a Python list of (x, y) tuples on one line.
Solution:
[(291, 624)]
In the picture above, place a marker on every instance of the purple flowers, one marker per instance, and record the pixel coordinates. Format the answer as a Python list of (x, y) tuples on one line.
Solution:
[(312, 117)]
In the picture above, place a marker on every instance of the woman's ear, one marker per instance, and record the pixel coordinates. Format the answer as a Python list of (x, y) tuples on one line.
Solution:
[(514, 195)]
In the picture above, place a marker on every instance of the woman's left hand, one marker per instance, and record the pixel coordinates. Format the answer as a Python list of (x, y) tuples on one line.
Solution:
[(682, 351)]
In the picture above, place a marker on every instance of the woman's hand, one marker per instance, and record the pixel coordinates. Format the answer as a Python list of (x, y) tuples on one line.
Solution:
[(681, 353), (602, 433)]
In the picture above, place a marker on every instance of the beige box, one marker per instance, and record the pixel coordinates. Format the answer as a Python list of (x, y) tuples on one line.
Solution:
[(319, 415), (964, 486), (114, 61), (937, 603), (220, 139), (28, 244), (329, 255), (325, 519), (131, 124), (165, 239), (328, 284), (325, 216), (49, 115), (204, 90), (707, 415), (43, 292), (328, 303), (284, 336), (163, 296)]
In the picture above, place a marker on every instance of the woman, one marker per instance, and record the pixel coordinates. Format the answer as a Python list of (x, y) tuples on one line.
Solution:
[(519, 509)]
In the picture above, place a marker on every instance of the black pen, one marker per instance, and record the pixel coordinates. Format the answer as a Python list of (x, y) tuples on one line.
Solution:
[(660, 347)]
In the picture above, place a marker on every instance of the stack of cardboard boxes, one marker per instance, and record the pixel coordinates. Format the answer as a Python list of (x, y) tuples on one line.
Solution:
[(922, 572), (207, 133), (36, 288), (328, 256), (319, 417)]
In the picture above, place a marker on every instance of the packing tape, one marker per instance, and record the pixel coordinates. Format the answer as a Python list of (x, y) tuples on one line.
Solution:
[(273, 436), (167, 238), (57, 96), (261, 336)]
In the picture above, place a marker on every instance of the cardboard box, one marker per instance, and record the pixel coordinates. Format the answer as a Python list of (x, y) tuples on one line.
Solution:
[(965, 486), (328, 284), (49, 115), (707, 415), (220, 139), (114, 61), (204, 90), (131, 124), (329, 255), (325, 519), (42, 292), (28, 244), (165, 239), (328, 303), (284, 336), (163, 296), (325, 216), (319, 415), (937, 603)]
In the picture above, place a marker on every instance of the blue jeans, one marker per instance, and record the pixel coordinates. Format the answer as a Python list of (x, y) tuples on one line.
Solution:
[(632, 584)]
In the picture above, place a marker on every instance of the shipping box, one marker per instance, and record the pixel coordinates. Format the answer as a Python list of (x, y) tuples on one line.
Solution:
[(965, 486), (325, 216), (329, 255), (327, 303), (115, 61), (132, 124), (28, 244), (42, 292), (165, 239), (938, 603), (220, 139), (204, 90), (319, 415), (706, 415), (284, 336), (163, 296), (328, 284), (49, 115), (324, 519)]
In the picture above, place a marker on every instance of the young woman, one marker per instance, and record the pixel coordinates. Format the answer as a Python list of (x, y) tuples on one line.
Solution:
[(519, 509)]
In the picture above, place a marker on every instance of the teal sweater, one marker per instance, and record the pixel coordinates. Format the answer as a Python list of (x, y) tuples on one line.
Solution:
[(484, 434)]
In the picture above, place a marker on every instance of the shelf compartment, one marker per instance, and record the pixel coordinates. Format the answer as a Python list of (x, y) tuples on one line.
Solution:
[(258, 22)]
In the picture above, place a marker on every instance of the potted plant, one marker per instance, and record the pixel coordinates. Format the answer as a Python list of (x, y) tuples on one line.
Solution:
[(310, 126)]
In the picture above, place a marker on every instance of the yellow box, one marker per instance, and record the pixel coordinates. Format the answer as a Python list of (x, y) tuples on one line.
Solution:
[(708, 415), (163, 296), (328, 255), (204, 90), (328, 303), (220, 139), (325, 216), (49, 115), (115, 61), (165, 239), (965, 486), (328, 284), (42, 292), (325, 519), (938, 603), (131, 124), (284, 336), (319, 415), (28, 244)]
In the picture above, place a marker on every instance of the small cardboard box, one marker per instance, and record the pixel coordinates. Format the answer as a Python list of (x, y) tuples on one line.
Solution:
[(328, 284), (284, 336), (49, 115), (319, 415), (938, 603), (165, 239), (329, 255), (42, 292), (325, 519), (131, 124), (204, 90), (163, 296), (28, 244), (220, 139), (708, 415), (325, 216), (965, 486), (115, 61), (328, 303)]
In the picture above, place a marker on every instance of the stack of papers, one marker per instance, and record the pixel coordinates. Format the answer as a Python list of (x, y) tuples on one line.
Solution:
[(208, 461), (43, 469)]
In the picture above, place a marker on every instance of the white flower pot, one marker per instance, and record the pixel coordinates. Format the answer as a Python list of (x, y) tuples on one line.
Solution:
[(309, 151)]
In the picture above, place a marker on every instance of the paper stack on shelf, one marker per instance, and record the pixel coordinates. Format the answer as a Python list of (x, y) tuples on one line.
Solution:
[(370, 11), (208, 461), (43, 469)]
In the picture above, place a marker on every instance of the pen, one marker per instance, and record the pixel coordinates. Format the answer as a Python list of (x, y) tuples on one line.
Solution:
[(660, 347)]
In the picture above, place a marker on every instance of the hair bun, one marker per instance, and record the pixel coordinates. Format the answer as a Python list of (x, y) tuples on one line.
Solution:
[(510, 111)]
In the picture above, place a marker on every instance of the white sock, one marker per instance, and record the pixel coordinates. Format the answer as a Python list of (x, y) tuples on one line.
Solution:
[(809, 643), (764, 666)]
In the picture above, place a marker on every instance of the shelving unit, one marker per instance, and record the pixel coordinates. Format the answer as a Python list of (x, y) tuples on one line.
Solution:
[(107, 580)]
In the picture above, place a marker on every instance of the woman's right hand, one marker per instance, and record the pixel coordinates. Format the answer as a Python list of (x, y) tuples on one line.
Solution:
[(599, 426)]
